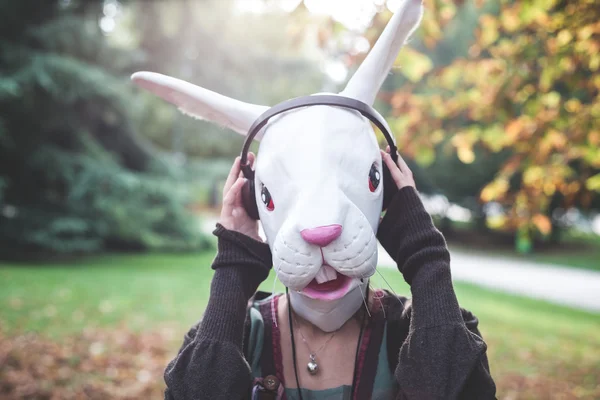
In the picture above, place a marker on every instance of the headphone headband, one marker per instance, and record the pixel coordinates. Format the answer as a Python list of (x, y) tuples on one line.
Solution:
[(318, 100)]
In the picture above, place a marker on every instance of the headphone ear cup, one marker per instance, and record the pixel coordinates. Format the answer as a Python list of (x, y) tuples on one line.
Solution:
[(389, 187), (249, 199)]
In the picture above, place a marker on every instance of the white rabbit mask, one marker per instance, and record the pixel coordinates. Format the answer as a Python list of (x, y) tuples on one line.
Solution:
[(315, 194)]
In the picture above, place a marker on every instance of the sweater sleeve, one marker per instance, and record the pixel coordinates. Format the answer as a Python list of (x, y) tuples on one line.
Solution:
[(440, 358), (210, 363)]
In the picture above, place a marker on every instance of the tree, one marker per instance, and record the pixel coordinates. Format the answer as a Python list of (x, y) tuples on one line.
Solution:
[(74, 176), (527, 89)]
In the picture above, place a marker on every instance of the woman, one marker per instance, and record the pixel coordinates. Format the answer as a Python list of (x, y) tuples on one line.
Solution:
[(426, 348)]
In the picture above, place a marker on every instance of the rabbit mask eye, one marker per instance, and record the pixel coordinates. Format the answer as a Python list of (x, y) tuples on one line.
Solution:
[(266, 198), (374, 178)]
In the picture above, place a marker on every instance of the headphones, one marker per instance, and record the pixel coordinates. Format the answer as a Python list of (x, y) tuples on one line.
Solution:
[(248, 196)]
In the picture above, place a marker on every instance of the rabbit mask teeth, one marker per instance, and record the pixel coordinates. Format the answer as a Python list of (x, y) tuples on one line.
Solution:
[(325, 274)]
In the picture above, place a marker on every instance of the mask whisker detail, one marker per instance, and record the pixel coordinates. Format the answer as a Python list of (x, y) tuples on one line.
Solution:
[(375, 296), (363, 296), (391, 288), (273, 312)]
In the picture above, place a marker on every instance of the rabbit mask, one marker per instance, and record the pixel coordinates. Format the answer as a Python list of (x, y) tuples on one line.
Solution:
[(316, 180)]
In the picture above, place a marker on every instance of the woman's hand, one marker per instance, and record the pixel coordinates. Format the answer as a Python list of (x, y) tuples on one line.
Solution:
[(233, 214), (401, 174)]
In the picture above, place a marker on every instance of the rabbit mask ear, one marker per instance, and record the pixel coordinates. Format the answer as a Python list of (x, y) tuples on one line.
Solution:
[(201, 103), (369, 77)]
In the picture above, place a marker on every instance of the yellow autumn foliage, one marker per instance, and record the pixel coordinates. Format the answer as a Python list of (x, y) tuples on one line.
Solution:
[(528, 87)]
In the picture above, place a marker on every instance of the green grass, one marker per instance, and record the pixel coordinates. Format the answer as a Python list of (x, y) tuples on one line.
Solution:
[(589, 259), (532, 338), (137, 290), (577, 250), (526, 338)]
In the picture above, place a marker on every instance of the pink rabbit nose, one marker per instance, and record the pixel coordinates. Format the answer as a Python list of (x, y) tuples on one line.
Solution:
[(322, 235)]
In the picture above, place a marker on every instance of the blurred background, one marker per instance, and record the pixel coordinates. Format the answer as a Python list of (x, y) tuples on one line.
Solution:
[(108, 194)]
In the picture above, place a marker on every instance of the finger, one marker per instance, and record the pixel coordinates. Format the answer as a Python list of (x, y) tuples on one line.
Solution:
[(232, 197), (250, 162), (233, 174), (394, 169), (403, 165)]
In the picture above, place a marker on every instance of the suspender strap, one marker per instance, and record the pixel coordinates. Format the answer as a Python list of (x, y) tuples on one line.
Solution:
[(267, 363), (271, 386), (368, 356)]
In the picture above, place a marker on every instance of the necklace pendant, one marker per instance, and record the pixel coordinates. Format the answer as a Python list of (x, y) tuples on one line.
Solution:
[(312, 366)]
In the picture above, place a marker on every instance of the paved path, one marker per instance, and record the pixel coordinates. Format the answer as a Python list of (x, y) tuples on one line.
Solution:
[(569, 286)]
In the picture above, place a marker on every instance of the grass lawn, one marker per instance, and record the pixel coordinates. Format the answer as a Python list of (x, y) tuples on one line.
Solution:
[(536, 350), (584, 260)]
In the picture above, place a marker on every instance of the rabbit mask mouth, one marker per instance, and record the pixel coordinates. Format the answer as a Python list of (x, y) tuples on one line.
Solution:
[(328, 284)]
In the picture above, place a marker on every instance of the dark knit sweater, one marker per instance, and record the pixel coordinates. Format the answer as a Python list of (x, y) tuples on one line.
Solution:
[(440, 358)]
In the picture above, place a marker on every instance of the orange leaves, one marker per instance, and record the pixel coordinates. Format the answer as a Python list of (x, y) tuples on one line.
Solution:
[(514, 128), (573, 105), (439, 13), (447, 11), (543, 181), (553, 142), (529, 87), (555, 139), (594, 138), (431, 30), (464, 142), (591, 155), (520, 129), (494, 190), (510, 20), (413, 65), (564, 37), (593, 183), (594, 63), (466, 155), (524, 93), (94, 365), (494, 137), (542, 223), (488, 32), (533, 176), (536, 12), (451, 76), (551, 100), (548, 77), (587, 31)]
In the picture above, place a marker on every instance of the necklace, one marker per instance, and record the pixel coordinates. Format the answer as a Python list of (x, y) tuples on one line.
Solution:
[(312, 365), (360, 335)]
